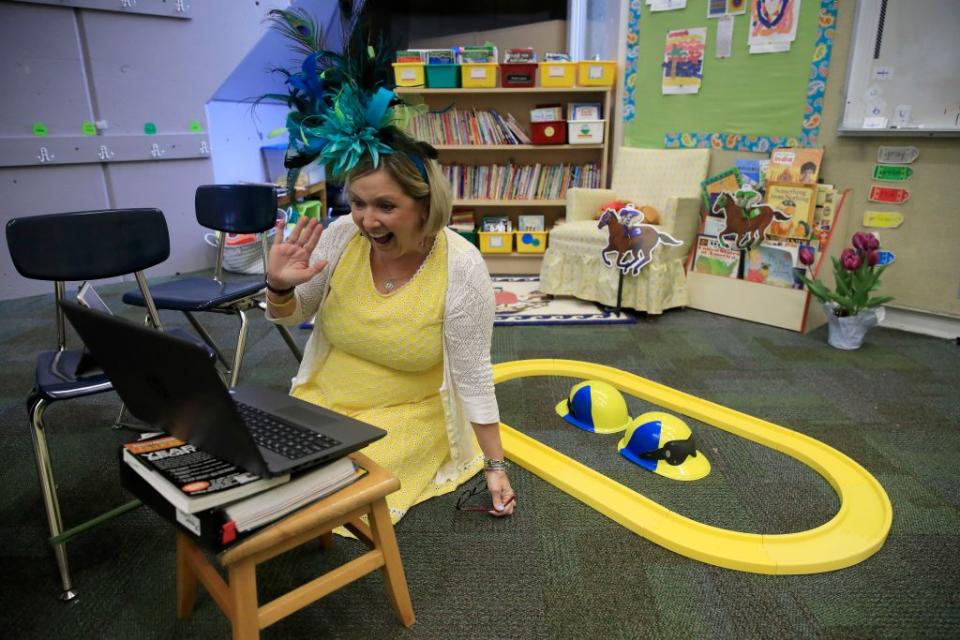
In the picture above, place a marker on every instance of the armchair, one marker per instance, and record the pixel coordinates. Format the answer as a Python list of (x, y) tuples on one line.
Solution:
[(667, 179)]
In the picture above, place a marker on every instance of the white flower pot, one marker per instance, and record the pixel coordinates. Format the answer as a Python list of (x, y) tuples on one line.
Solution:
[(848, 333)]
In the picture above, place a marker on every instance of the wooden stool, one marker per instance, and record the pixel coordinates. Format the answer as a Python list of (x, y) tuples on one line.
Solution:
[(238, 598)]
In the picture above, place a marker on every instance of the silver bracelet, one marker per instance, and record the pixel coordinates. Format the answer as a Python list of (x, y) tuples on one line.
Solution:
[(495, 464)]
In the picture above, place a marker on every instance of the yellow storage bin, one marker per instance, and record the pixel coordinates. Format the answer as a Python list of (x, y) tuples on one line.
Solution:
[(558, 74), (596, 73), (496, 242), (408, 74), (479, 75), (531, 241)]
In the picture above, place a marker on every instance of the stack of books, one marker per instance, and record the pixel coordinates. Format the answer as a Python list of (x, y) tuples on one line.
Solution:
[(474, 126), (212, 500)]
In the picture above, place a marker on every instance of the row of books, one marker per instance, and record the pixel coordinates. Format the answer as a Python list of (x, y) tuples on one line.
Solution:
[(519, 182), (474, 126), (213, 500), (771, 262)]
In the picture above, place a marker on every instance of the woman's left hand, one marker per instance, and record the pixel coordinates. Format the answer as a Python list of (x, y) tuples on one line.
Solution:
[(504, 499)]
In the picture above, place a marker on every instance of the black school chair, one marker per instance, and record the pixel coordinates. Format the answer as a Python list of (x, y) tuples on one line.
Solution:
[(230, 208), (63, 247)]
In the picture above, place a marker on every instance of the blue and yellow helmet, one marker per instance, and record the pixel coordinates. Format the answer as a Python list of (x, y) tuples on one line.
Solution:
[(663, 443), (595, 406)]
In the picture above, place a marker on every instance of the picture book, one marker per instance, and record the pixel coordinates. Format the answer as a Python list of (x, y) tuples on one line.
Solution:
[(770, 265), (496, 223), (530, 222), (714, 259), (753, 172), (441, 56), (713, 186), (794, 164), (519, 55), (797, 201), (190, 479)]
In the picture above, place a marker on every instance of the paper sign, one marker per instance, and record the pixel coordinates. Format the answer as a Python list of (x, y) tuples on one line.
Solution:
[(682, 67), (888, 195), (882, 219), (885, 258), (555, 72), (890, 173), (874, 122), (496, 242), (40, 130), (408, 75), (149, 128), (897, 155), (88, 128), (724, 44), (478, 73)]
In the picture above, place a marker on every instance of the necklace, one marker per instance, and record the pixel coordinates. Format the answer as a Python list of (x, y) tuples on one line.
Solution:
[(389, 284), (392, 282)]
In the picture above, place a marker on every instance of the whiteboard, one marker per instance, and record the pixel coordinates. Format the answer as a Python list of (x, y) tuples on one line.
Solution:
[(903, 76)]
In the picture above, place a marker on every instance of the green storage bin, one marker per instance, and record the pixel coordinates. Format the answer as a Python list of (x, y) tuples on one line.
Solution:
[(443, 76), (310, 209)]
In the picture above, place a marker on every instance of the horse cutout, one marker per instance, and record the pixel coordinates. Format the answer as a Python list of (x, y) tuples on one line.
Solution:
[(633, 242), (745, 230)]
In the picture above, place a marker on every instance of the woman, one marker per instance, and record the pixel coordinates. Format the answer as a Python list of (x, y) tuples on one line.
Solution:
[(403, 317)]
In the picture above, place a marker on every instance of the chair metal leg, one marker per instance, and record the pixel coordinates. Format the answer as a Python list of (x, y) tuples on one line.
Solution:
[(48, 489), (288, 338), (285, 334), (241, 345), (206, 337)]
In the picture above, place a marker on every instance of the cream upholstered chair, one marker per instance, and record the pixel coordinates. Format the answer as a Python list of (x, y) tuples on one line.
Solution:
[(667, 179)]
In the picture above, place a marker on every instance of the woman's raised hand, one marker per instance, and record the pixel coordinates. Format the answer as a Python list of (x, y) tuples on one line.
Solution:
[(289, 262)]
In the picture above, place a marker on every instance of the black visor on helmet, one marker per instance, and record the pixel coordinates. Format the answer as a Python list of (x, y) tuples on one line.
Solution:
[(673, 452)]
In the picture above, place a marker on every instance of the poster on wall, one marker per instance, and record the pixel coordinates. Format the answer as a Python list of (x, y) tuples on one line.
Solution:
[(683, 60), (773, 25)]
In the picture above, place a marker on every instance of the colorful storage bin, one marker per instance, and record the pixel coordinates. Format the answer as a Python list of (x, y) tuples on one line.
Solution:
[(518, 74), (548, 132), (596, 73), (585, 131), (496, 241), (443, 76), (531, 241), (408, 74), (479, 75), (557, 74)]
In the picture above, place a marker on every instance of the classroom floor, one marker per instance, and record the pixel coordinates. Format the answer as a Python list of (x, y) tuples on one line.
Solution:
[(557, 569)]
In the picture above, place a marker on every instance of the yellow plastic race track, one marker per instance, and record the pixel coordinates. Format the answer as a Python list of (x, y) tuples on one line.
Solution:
[(855, 533)]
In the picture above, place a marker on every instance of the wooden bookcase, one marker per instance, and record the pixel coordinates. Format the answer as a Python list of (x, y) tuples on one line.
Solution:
[(519, 102)]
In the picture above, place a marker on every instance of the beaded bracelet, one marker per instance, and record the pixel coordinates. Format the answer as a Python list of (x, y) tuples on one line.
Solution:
[(495, 464)]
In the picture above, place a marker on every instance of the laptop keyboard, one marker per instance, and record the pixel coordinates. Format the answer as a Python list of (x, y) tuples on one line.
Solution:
[(288, 440)]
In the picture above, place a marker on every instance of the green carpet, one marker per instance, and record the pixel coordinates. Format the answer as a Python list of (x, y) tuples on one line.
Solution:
[(557, 569)]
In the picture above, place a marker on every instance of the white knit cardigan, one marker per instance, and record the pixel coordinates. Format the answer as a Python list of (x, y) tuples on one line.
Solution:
[(467, 392)]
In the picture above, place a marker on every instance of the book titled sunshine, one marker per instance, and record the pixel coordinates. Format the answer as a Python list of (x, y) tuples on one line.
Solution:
[(190, 479)]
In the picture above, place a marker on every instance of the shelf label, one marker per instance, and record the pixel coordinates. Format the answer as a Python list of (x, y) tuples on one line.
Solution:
[(555, 72), (888, 195), (408, 75), (478, 73), (595, 71), (882, 219), (891, 173)]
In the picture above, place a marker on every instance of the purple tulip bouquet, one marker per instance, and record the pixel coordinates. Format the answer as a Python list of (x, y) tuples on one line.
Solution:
[(856, 273)]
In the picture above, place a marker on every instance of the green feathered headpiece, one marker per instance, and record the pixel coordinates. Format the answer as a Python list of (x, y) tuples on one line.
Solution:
[(343, 106)]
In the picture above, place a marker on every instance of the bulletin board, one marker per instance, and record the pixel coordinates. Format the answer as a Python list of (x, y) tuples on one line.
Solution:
[(747, 102)]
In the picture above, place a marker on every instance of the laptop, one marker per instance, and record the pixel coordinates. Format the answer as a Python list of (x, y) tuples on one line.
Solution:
[(172, 384)]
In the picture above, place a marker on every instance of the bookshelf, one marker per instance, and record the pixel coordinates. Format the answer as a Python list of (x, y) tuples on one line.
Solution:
[(518, 102)]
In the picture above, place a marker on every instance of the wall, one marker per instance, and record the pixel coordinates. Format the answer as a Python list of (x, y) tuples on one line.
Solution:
[(926, 275), (542, 36), (62, 66)]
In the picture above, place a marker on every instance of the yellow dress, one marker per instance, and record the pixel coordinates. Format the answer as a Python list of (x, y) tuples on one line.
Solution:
[(385, 367)]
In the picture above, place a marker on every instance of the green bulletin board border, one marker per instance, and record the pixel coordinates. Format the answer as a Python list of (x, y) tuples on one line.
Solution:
[(813, 109)]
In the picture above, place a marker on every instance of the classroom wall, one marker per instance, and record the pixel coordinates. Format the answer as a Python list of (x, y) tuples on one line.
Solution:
[(542, 36), (926, 275), (62, 66)]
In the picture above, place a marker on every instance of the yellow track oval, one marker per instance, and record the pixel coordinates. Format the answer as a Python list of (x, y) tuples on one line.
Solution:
[(855, 533)]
